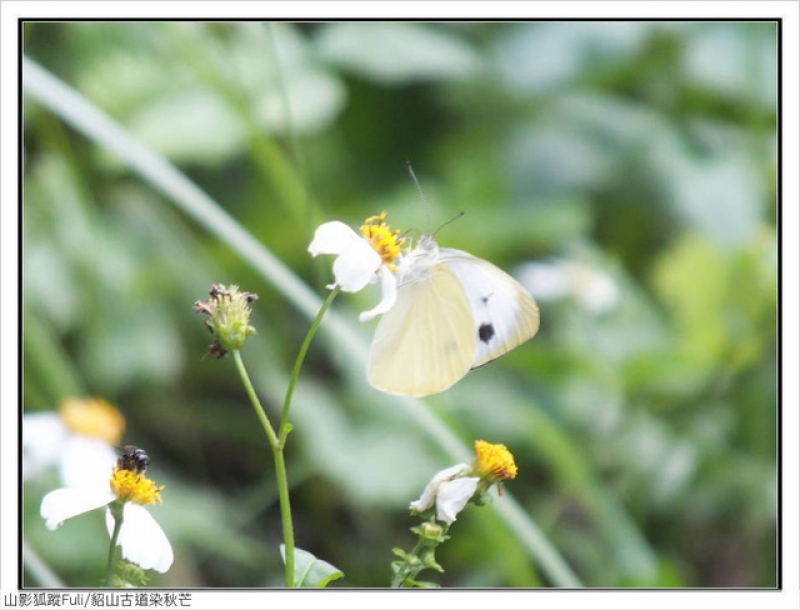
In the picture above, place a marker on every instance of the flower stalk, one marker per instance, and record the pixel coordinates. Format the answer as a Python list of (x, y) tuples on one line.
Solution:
[(285, 428), (116, 513), (421, 557), (277, 440), (280, 468)]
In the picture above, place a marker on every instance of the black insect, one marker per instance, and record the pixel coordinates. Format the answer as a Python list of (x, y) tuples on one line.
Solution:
[(133, 458)]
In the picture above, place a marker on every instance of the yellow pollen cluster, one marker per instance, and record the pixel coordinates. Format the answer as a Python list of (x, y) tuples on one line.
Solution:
[(382, 239), (129, 486), (494, 461), (93, 417)]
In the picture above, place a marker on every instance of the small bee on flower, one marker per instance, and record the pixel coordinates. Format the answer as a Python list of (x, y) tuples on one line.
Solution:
[(133, 459), (125, 493)]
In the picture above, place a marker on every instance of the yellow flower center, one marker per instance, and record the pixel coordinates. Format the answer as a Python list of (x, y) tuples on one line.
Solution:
[(93, 417), (382, 239), (129, 486), (494, 461)]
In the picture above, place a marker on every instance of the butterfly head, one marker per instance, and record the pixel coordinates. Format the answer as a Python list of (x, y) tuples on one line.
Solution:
[(417, 262), (427, 244)]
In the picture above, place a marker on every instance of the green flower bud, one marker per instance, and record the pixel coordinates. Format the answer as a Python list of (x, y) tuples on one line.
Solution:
[(227, 316), (431, 531)]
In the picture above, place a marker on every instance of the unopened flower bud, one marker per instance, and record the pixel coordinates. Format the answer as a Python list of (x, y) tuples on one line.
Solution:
[(227, 316), (431, 531)]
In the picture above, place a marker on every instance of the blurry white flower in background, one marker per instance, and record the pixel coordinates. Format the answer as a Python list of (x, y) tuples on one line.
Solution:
[(78, 439), (593, 289)]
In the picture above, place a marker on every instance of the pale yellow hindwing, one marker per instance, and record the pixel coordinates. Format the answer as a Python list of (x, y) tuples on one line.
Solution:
[(426, 342)]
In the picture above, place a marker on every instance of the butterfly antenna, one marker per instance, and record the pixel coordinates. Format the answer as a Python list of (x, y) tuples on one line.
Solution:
[(454, 218), (419, 192), (425, 203)]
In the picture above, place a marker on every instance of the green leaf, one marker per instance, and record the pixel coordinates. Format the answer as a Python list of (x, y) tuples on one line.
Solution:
[(398, 52), (310, 571), (191, 126), (691, 278), (422, 584), (300, 93), (326, 428)]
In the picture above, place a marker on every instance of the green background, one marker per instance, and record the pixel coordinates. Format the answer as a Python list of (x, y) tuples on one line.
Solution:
[(644, 433)]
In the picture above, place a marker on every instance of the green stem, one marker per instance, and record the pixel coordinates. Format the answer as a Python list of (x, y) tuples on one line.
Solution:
[(116, 512), (284, 428), (407, 571), (286, 513), (248, 386), (278, 442), (280, 469)]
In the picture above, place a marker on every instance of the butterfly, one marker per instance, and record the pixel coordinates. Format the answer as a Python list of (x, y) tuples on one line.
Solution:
[(454, 312)]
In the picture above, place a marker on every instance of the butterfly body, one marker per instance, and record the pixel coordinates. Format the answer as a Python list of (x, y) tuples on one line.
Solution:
[(454, 312)]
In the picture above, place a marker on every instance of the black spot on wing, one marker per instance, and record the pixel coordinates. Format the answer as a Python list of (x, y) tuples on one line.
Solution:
[(486, 332)]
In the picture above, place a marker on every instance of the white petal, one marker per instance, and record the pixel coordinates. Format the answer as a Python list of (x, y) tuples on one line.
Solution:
[(428, 496), (388, 295), (333, 238), (142, 540), (65, 503), (86, 462), (357, 262), (356, 267), (453, 497), (43, 436)]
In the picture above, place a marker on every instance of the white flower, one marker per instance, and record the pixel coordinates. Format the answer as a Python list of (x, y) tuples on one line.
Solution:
[(594, 290), (78, 439), (142, 540), (449, 491), (361, 259), (356, 263)]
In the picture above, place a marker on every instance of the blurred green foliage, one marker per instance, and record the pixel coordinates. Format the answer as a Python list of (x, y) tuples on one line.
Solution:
[(645, 433)]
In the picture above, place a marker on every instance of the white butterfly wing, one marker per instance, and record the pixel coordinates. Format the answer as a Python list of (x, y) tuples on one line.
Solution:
[(426, 342), (504, 314)]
